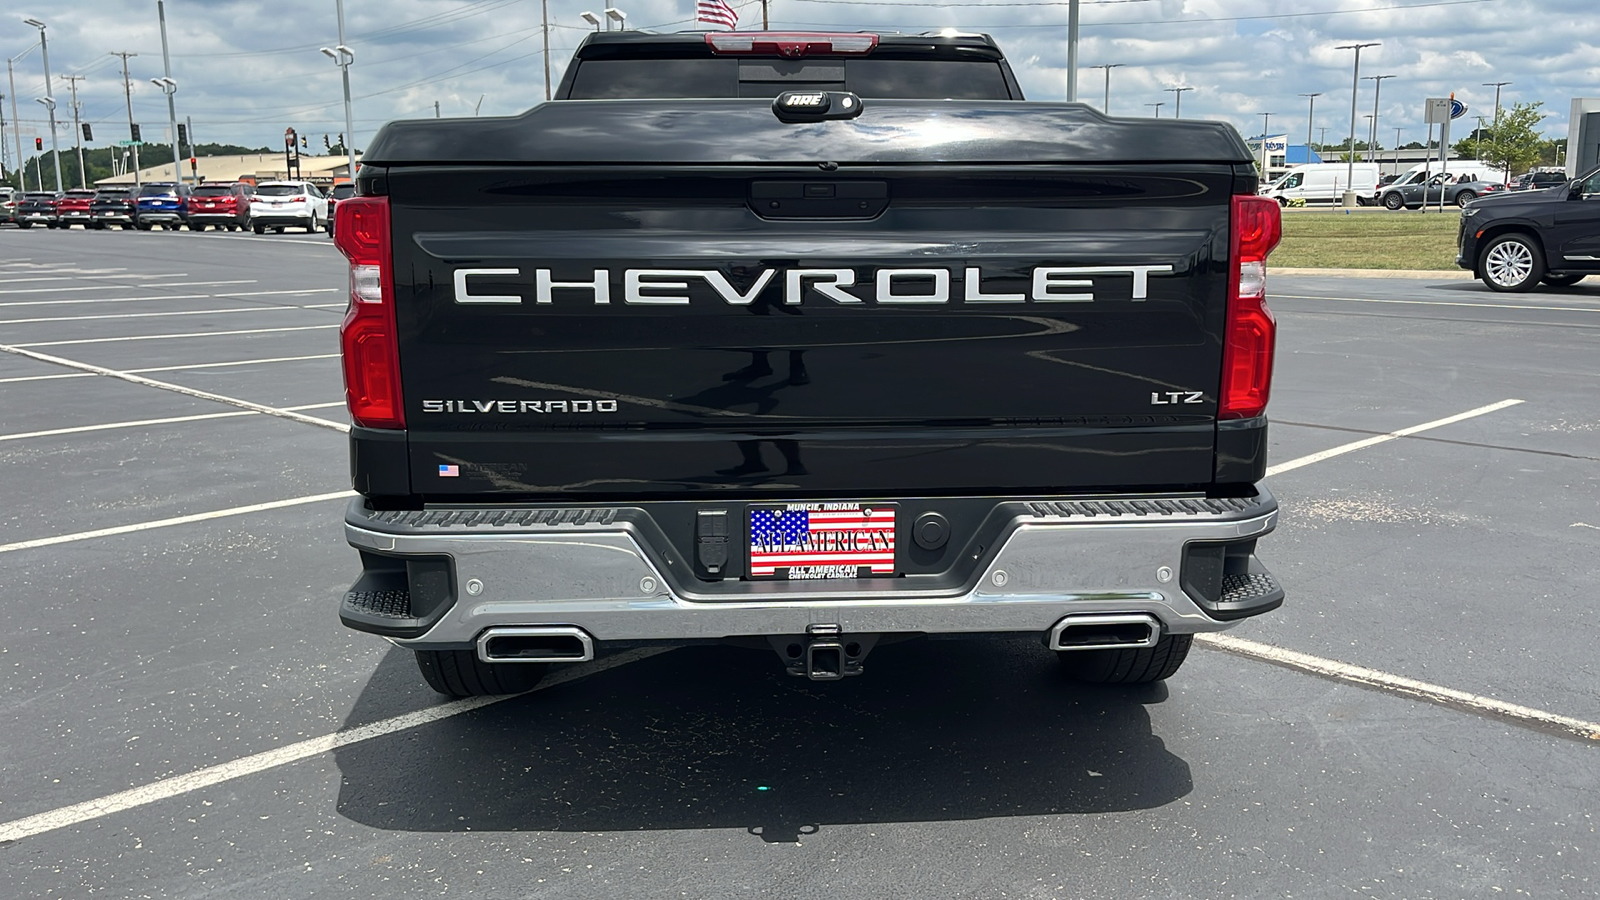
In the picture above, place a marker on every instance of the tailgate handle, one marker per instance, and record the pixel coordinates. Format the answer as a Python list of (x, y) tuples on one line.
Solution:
[(843, 199)]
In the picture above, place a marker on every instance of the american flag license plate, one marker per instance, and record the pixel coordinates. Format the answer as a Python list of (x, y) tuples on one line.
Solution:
[(810, 541)]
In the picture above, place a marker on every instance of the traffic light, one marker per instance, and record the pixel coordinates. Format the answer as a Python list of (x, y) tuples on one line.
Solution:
[(38, 143), (183, 134), (341, 139), (303, 144), (133, 131), (88, 133), (325, 144)]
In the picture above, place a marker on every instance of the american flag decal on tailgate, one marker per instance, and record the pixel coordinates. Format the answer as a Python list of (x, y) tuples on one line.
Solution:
[(822, 540)]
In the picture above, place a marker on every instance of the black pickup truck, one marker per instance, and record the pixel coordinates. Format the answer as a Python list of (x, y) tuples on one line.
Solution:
[(810, 343)]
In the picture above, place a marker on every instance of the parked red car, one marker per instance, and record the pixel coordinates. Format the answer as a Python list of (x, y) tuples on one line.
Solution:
[(72, 208), (223, 205)]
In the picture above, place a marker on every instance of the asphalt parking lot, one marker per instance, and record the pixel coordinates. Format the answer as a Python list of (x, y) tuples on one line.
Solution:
[(185, 716)]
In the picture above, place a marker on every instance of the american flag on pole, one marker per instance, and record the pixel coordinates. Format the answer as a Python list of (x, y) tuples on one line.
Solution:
[(716, 12), (822, 540)]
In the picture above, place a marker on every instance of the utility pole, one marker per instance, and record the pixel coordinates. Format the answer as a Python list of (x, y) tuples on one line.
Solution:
[(1072, 51), (2, 137), (1105, 105), (16, 126), (766, 22), (1311, 117), (1158, 107), (544, 6), (1355, 88), (436, 109), (1377, 91), (127, 94), (1266, 119), (1177, 93), (77, 130), (49, 102), (169, 87), (1497, 85)]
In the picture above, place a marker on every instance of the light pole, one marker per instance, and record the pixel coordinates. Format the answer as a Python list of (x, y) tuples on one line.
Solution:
[(1370, 140), (1377, 90), (169, 87), (1355, 88), (591, 18), (1177, 93), (1158, 107), (1311, 116), (1397, 151), (342, 57), (1105, 105), (1072, 51), (618, 16), (49, 101), (544, 12)]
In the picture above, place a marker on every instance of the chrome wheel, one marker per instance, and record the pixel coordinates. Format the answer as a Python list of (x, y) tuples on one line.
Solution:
[(1508, 264)]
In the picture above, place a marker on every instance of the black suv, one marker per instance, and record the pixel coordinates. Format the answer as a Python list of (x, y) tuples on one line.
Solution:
[(114, 206), (1538, 181), (1515, 240)]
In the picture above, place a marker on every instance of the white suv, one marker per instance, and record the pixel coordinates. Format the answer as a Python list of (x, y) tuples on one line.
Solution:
[(285, 204)]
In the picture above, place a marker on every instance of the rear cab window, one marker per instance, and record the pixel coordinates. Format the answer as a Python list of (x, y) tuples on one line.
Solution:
[(897, 67)]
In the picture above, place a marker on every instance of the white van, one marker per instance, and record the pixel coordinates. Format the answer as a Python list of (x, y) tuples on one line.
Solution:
[(1323, 182)]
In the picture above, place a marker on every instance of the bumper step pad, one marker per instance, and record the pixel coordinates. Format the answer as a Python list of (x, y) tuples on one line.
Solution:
[(387, 604)]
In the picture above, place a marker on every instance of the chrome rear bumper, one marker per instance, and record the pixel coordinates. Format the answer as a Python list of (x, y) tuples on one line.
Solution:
[(594, 570)]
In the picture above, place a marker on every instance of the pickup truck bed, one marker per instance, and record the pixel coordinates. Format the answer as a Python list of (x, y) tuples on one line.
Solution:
[(680, 370)]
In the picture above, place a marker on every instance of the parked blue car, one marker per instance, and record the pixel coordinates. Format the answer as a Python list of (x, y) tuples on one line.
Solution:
[(163, 204)]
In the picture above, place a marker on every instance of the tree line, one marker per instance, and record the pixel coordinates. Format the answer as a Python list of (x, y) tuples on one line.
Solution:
[(97, 163)]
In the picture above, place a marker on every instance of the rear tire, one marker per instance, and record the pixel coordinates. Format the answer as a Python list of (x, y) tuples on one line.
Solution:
[(197, 228), (1131, 666), (24, 224), (1465, 197), (260, 229), (1512, 263), (459, 673)]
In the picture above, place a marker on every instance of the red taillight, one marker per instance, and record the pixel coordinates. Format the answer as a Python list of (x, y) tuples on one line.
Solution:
[(789, 44), (368, 338), (1248, 337)]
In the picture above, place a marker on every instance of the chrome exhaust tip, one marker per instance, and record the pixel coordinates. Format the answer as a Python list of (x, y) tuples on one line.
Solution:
[(535, 644), (1111, 631)]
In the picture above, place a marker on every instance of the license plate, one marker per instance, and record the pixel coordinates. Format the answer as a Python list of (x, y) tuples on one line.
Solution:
[(814, 541)]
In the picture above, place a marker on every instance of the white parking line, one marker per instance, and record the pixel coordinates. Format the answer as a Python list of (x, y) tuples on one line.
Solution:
[(162, 337), (1588, 309), (282, 756), (1400, 684), (175, 520), (82, 277), (182, 368), (230, 295), (1364, 443), (105, 287), (173, 420), (156, 315), (178, 389)]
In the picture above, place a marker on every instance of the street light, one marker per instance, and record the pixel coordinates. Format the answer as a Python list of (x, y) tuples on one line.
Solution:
[(1377, 91), (55, 147), (1177, 93), (591, 18), (343, 57), (1158, 107), (1497, 85), (1311, 116), (1355, 87), (169, 87), (617, 16), (1105, 106)]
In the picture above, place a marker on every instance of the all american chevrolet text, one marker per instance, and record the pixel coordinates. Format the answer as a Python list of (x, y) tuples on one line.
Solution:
[(646, 287)]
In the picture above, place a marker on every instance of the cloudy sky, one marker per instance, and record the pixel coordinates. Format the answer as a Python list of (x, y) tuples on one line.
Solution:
[(247, 69)]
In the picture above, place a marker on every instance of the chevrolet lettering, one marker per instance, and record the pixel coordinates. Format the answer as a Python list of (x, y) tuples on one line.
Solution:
[(846, 344), (887, 286)]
